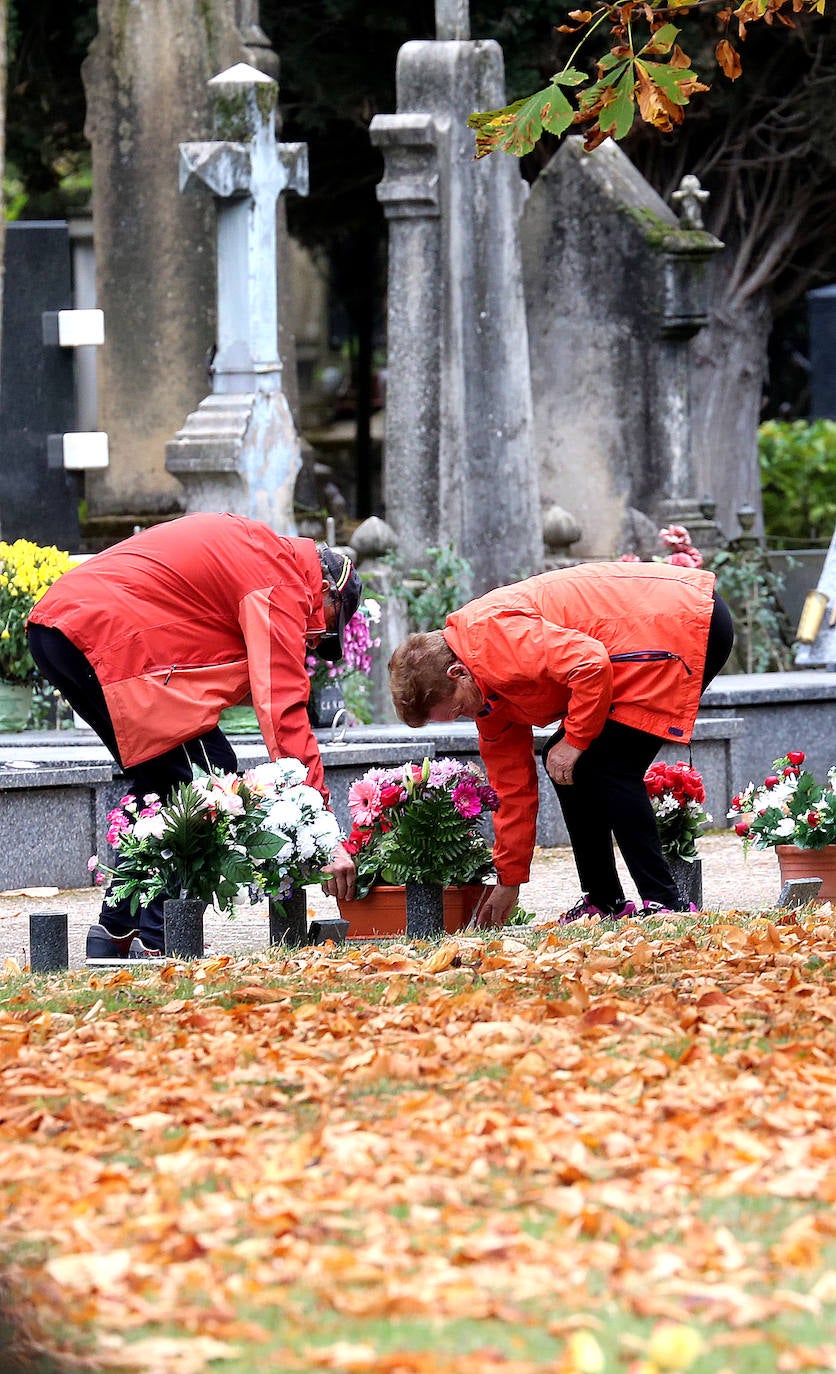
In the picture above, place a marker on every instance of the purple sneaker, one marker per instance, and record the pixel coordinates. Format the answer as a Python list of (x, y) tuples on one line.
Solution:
[(586, 908), (656, 908)]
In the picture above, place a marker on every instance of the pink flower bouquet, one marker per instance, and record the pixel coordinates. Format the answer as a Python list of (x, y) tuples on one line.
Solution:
[(420, 823)]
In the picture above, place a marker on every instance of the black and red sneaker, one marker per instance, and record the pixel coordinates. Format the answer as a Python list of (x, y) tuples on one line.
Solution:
[(103, 947)]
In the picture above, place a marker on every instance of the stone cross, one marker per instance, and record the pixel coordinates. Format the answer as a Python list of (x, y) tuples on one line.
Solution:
[(247, 170), (452, 19), (239, 451)]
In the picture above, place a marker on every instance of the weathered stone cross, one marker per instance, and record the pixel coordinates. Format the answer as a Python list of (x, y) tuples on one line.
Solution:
[(239, 451), (247, 170), (452, 19)]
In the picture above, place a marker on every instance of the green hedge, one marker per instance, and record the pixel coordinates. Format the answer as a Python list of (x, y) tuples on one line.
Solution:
[(798, 480)]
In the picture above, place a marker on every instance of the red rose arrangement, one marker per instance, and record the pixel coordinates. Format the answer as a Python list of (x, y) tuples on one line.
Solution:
[(677, 795), (789, 807)]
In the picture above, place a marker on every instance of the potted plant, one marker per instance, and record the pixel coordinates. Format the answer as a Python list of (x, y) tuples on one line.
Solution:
[(417, 825), (26, 572), (677, 795), (347, 683), (266, 830), (795, 815)]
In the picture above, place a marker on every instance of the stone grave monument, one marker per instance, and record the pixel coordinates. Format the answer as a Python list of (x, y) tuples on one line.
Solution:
[(817, 648), (821, 312), (459, 464), (37, 501), (239, 451), (145, 82), (615, 287)]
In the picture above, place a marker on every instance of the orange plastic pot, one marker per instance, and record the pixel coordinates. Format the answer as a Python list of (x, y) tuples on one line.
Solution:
[(383, 912)]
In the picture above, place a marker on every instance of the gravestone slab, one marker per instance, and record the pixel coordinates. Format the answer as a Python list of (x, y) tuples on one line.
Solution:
[(821, 652), (821, 310), (37, 389), (799, 891)]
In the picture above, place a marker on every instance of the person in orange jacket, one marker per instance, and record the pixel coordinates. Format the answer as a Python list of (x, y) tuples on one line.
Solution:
[(619, 654), (152, 639)]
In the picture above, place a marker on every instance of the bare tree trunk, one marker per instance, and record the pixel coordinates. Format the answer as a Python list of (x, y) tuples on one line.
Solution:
[(728, 368)]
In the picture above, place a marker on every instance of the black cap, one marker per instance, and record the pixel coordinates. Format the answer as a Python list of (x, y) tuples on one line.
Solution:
[(346, 582)]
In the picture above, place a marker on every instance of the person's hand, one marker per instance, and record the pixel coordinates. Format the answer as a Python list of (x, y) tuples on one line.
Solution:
[(497, 906), (560, 763), (342, 879)]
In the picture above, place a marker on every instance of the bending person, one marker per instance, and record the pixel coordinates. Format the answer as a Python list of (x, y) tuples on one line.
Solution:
[(620, 654), (151, 640)]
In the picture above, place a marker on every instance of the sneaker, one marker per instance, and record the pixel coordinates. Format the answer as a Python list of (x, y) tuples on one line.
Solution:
[(105, 947), (656, 908), (586, 908)]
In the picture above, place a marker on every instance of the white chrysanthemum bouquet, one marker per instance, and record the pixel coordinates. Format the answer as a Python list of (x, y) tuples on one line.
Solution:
[(266, 830)]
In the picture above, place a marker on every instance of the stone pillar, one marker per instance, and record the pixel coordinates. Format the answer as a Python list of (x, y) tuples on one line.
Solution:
[(410, 196), (459, 461), (145, 81), (682, 313), (371, 542)]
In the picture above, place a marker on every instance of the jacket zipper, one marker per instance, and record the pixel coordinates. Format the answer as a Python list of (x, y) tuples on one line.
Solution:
[(199, 668), (649, 656)]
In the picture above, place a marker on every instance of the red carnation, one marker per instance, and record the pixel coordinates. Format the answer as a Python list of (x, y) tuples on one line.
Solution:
[(357, 840)]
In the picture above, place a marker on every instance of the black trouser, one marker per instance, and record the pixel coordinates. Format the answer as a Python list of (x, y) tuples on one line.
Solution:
[(608, 798), (66, 668)]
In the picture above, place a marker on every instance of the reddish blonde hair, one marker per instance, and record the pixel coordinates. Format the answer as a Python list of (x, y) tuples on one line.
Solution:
[(418, 677)]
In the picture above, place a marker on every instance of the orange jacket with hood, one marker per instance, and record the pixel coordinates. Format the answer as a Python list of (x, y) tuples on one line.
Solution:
[(192, 616), (597, 642)]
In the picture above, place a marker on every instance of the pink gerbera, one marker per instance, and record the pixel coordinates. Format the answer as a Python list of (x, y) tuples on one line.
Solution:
[(466, 798), (364, 802)]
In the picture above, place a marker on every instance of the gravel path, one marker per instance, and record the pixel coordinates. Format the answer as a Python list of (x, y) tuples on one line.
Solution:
[(730, 882)]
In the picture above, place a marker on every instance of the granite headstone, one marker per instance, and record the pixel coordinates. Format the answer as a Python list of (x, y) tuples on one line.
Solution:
[(37, 389)]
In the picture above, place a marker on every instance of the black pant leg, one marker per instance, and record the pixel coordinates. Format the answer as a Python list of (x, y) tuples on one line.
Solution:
[(620, 765), (609, 798), (67, 668), (587, 818)]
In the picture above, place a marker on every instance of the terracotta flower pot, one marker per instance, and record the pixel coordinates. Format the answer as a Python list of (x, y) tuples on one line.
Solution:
[(383, 912), (809, 863)]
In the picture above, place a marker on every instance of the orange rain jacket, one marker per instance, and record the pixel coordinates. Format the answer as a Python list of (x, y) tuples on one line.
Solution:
[(597, 642), (193, 616)]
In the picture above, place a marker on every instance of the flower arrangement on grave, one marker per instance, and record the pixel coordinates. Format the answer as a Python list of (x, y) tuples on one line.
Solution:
[(789, 807), (353, 670), (677, 540), (266, 830), (26, 571), (419, 823), (677, 795)]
